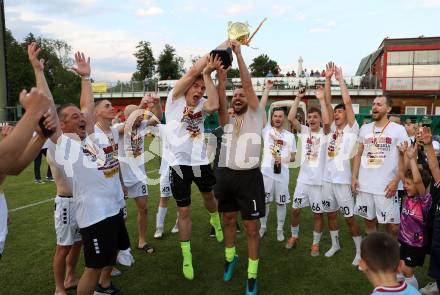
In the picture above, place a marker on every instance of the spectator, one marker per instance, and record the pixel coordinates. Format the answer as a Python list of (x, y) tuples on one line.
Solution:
[(288, 74), (37, 165), (306, 74), (293, 74), (312, 73), (269, 74)]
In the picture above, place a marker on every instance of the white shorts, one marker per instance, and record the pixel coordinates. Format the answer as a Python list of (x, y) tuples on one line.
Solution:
[(370, 206), (165, 185), (66, 228), (3, 222), (139, 189), (276, 188), (308, 195), (338, 196)]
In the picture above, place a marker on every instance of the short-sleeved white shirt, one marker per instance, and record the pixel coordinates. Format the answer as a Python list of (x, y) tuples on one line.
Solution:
[(312, 156), (185, 132), (339, 151), (380, 161), (281, 143)]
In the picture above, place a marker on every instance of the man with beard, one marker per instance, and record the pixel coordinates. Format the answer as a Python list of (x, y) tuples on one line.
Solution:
[(240, 184), (279, 150), (185, 113), (375, 169), (336, 187), (308, 191)]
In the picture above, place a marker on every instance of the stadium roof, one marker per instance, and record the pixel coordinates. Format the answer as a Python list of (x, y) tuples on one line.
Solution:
[(367, 61)]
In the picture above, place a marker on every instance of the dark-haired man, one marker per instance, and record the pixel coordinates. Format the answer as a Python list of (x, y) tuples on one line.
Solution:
[(308, 191), (185, 111), (336, 187), (279, 150), (375, 169), (240, 184)]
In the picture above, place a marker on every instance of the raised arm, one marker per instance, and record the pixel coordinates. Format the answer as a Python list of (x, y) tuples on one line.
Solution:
[(87, 104), (265, 96), (188, 79), (351, 118), (223, 116), (403, 159), (38, 67), (245, 77), (424, 136), (417, 178), (294, 110), (329, 71), (212, 104), (319, 93), (12, 147)]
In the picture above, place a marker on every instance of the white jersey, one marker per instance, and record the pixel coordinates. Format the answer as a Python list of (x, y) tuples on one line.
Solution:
[(380, 158), (159, 132), (277, 143), (3, 220), (131, 154), (339, 151), (185, 132), (312, 156), (97, 189), (57, 168)]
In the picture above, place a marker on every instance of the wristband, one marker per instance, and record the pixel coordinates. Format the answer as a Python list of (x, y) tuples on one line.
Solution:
[(87, 78)]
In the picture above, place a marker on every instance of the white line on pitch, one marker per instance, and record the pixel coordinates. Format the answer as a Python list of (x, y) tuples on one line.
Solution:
[(51, 199)]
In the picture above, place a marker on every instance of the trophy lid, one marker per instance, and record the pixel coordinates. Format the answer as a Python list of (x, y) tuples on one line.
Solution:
[(238, 31)]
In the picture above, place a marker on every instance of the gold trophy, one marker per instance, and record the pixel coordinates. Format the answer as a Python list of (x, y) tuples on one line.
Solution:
[(240, 31)]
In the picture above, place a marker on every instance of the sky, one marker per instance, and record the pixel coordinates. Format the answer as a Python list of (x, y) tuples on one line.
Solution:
[(343, 31)]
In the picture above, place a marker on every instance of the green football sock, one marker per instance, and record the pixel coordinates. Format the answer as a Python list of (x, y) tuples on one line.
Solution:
[(252, 268), (229, 253), (188, 271), (215, 222)]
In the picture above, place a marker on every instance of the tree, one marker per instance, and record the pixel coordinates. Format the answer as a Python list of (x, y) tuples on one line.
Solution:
[(261, 65), (65, 85), (145, 62), (234, 73), (169, 65)]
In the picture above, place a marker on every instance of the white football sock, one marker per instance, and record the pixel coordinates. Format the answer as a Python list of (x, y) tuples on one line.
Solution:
[(295, 231), (316, 238), (263, 220), (334, 234), (357, 243), (160, 217), (281, 216)]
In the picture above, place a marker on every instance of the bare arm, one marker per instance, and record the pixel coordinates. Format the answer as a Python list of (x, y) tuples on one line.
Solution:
[(245, 77), (188, 79), (212, 104), (417, 178), (351, 118), (325, 116), (294, 110), (265, 96), (425, 136), (14, 144), (356, 166), (223, 116), (329, 71), (38, 67), (87, 104)]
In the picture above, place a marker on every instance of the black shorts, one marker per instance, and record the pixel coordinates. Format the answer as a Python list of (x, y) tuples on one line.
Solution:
[(241, 190), (103, 240), (434, 262), (412, 256), (181, 178)]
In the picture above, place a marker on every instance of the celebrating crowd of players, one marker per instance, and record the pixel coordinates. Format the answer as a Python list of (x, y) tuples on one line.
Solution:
[(96, 165)]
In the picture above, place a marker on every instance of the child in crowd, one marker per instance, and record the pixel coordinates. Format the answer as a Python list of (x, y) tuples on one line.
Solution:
[(413, 225), (380, 260)]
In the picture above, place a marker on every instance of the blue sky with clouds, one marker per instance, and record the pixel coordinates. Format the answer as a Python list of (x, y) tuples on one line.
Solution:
[(319, 31)]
